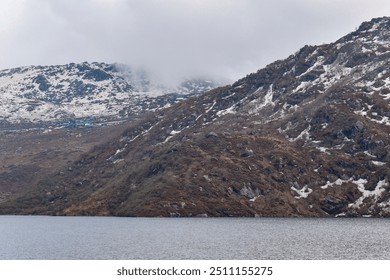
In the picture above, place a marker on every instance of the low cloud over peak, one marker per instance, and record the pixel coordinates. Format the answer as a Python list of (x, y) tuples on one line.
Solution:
[(174, 38)]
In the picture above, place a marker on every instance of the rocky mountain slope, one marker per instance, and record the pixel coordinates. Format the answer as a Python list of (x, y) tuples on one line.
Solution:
[(98, 91), (30, 155), (305, 136)]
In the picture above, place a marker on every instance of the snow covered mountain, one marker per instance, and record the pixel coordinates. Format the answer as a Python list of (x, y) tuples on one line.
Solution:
[(305, 136), (103, 91)]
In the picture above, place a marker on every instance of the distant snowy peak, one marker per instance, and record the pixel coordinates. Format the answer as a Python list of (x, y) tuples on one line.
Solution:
[(95, 90)]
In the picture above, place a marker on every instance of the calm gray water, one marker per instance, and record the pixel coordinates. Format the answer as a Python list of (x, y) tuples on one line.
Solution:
[(41, 237)]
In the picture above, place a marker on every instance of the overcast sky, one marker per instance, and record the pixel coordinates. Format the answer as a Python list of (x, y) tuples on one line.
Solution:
[(218, 38)]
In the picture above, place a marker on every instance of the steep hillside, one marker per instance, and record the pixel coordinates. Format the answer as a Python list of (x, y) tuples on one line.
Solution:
[(305, 136), (30, 155)]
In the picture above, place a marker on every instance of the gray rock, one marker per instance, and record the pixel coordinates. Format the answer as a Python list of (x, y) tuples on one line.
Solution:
[(247, 192), (211, 134), (204, 215), (247, 153), (359, 125)]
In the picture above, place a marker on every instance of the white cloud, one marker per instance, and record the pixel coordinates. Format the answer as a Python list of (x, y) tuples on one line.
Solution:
[(228, 38)]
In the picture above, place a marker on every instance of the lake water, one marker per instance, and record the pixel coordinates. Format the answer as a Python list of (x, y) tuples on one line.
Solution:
[(111, 238)]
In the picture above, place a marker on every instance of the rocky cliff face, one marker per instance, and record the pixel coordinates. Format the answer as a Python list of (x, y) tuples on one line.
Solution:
[(305, 136)]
